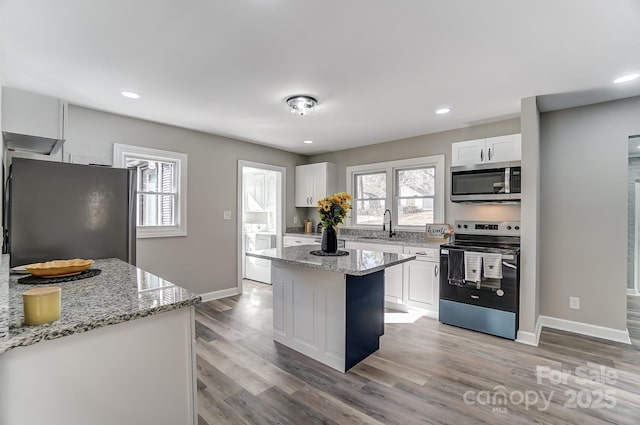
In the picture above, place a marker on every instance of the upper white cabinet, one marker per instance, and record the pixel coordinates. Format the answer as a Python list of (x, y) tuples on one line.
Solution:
[(32, 122), (314, 182), (482, 151)]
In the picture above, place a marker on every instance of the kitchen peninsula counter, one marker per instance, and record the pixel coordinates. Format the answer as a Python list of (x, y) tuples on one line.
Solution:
[(121, 336), (120, 293), (329, 308)]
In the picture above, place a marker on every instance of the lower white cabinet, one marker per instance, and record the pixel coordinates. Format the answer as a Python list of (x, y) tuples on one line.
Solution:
[(422, 278), (393, 282)]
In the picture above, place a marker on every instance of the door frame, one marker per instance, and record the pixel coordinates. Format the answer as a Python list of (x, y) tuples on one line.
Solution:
[(280, 224), (636, 244)]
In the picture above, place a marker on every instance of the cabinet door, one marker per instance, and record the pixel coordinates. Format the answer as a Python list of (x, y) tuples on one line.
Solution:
[(33, 114), (319, 183), (304, 185), (468, 152), (504, 148), (421, 280)]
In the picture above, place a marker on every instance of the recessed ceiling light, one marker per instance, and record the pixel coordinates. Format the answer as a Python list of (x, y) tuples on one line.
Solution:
[(130, 94), (626, 78), (442, 111), (308, 142), (638, 147)]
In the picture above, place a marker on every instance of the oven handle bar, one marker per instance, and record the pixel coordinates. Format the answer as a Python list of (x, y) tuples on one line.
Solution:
[(504, 257)]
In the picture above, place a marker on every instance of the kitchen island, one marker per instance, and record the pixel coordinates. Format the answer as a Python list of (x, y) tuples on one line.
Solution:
[(329, 308), (121, 352)]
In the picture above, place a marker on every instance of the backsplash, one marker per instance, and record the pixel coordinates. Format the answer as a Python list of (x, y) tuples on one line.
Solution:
[(379, 234)]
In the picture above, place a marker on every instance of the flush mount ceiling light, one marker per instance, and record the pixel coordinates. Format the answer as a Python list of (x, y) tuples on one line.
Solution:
[(301, 105), (130, 94), (443, 111), (308, 142), (626, 78)]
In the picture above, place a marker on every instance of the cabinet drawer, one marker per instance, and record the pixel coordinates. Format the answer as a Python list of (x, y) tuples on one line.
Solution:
[(422, 253), (293, 241)]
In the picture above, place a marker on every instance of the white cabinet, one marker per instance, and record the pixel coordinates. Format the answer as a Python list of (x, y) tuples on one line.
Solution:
[(32, 122), (393, 285), (504, 148), (314, 182), (481, 151), (468, 152), (298, 240), (421, 278)]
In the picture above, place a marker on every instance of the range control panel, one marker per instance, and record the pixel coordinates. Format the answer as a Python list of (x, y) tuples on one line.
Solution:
[(502, 228)]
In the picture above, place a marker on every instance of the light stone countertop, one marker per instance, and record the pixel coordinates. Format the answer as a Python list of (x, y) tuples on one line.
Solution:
[(378, 237), (122, 292), (359, 262)]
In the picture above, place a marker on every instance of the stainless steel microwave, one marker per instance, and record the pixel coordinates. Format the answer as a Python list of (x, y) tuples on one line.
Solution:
[(497, 182)]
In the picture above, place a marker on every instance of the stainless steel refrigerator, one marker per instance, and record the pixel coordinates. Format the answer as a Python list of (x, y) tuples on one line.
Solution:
[(63, 211)]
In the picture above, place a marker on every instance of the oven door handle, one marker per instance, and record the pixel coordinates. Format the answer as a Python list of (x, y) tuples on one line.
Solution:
[(504, 256)]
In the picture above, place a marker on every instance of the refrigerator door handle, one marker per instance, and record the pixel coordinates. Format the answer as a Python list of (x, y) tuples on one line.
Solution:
[(133, 198)]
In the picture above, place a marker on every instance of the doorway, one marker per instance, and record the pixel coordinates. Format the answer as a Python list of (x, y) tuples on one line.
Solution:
[(261, 218)]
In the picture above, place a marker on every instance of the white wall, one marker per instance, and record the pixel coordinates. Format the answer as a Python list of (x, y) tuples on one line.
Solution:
[(205, 260), (425, 145), (583, 238)]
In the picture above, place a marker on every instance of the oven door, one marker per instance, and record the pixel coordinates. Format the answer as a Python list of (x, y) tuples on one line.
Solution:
[(485, 182), (501, 294)]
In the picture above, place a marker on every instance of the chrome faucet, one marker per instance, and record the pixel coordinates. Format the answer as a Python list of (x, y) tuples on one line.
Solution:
[(391, 232)]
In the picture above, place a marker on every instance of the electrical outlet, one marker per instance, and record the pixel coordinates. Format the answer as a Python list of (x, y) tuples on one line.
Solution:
[(227, 215), (574, 303), (295, 219)]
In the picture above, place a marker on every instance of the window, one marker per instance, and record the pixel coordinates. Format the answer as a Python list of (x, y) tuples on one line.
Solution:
[(412, 189), (160, 189), (370, 197), (415, 193)]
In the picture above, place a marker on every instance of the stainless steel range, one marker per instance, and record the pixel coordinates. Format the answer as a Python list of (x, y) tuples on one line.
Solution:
[(480, 277)]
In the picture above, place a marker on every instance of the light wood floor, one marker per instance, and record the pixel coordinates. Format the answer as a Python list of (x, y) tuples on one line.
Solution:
[(419, 376)]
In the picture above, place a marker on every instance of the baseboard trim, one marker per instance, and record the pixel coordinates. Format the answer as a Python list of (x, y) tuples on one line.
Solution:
[(633, 292), (223, 293), (530, 338), (430, 314), (586, 329)]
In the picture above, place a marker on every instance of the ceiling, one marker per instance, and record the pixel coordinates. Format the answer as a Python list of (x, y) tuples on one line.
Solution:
[(378, 68)]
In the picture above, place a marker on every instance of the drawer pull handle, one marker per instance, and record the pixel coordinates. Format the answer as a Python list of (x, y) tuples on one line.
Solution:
[(421, 253), (475, 297)]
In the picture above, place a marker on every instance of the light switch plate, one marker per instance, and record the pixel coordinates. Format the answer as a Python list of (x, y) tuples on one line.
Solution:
[(295, 219), (574, 303), (227, 215)]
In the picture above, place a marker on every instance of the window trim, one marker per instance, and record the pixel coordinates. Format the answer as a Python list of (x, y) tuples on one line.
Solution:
[(120, 151), (390, 168)]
